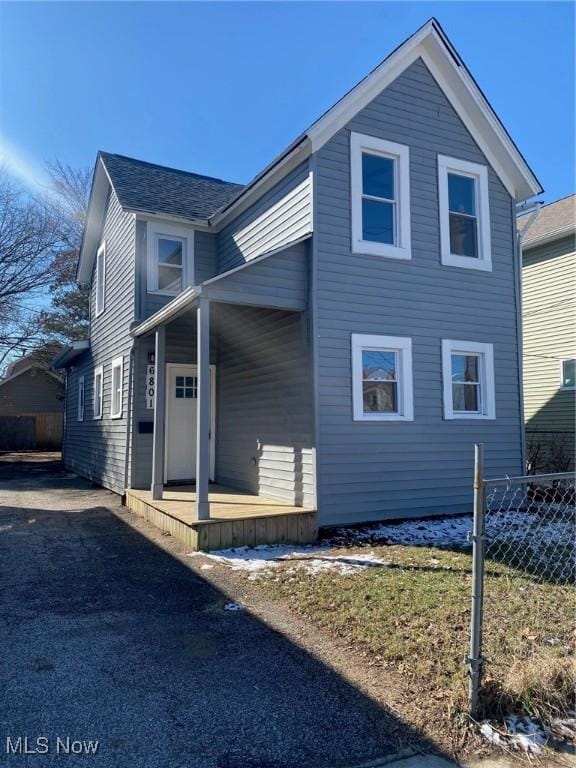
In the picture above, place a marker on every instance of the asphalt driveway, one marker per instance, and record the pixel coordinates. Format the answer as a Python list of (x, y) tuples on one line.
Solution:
[(106, 635)]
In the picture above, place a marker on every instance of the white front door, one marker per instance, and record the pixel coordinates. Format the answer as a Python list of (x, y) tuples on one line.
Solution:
[(181, 415)]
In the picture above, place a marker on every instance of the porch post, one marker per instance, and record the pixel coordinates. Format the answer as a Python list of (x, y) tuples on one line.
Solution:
[(159, 413), (203, 405)]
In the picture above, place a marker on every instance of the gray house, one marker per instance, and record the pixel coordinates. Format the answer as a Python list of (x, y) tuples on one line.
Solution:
[(326, 342)]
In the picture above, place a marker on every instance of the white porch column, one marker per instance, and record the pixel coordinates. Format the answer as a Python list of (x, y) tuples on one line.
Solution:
[(159, 413), (204, 409)]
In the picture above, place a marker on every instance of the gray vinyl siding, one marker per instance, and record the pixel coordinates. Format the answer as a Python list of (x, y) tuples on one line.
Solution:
[(97, 448), (33, 391), (264, 416), (281, 216), (278, 278), (375, 470)]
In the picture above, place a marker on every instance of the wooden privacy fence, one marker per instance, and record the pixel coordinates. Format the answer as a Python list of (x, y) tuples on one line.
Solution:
[(31, 432)]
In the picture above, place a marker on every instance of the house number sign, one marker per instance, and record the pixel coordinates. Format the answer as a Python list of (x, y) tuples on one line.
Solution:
[(150, 386)]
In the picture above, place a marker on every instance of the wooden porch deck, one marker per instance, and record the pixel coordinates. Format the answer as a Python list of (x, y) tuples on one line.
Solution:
[(237, 518)]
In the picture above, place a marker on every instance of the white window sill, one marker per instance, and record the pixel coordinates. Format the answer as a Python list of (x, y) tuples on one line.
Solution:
[(466, 416), (96, 418), (382, 417), (467, 262), (368, 248), (115, 415)]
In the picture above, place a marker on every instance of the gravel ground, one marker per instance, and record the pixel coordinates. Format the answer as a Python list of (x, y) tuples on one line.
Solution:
[(110, 632)]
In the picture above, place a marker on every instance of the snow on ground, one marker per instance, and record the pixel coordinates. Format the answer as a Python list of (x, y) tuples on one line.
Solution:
[(313, 559), (525, 735)]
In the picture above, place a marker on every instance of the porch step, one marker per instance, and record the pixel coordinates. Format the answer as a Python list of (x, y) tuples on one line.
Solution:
[(251, 521)]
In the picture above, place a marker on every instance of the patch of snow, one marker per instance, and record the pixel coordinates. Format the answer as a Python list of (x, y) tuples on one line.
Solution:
[(206, 567), (263, 558), (522, 734), (233, 607)]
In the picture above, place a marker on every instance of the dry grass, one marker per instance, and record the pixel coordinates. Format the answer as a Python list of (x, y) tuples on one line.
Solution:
[(412, 617)]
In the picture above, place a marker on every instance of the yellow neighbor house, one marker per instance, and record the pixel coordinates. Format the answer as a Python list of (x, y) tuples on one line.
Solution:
[(547, 238)]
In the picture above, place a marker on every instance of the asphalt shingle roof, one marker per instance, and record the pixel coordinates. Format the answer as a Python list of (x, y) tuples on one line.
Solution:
[(154, 188), (554, 217)]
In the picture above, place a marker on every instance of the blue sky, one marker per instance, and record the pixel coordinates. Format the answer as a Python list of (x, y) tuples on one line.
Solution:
[(221, 88)]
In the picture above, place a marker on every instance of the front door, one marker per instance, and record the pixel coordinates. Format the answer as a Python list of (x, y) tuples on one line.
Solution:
[(181, 415)]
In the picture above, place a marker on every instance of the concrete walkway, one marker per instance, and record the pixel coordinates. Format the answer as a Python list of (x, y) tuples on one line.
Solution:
[(109, 635)]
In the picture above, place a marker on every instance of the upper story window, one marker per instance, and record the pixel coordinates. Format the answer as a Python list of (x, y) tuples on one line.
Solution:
[(380, 186), (568, 373), (170, 259), (468, 376), (464, 214), (100, 279), (98, 392), (382, 378), (81, 391)]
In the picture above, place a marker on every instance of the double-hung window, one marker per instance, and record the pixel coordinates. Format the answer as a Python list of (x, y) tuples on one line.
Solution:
[(380, 188), (468, 376), (464, 214), (100, 279), (382, 378), (81, 391), (98, 392), (170, 259), (116, 400), (568, 373)]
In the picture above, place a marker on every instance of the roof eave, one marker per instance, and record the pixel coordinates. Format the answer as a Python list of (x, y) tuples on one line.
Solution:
[(69, 353)]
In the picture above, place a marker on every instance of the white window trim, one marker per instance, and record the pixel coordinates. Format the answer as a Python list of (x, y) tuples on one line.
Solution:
[(100, 307), (480, 173), (155, 230), (117, 363), (486, 378), (403, 346), (562, 361), (360, 143), (81, 401), (99, 371)]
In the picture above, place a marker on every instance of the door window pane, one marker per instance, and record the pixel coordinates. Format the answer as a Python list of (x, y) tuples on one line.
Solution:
[(378, 176), (377, 221)]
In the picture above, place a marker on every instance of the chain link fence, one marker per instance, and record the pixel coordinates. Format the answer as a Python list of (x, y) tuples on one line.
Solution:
[(524, 550)]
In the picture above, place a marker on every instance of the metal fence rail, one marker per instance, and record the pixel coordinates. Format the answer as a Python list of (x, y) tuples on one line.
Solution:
[(525, 532)]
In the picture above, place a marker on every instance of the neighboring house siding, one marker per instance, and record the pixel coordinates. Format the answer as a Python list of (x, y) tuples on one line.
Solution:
[(33, 391), (373, 470), (280, 216), (97, 448), (264, 416), (549, 309)]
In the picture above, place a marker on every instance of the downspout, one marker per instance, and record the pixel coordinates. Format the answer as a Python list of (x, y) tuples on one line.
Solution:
[(65, 418)]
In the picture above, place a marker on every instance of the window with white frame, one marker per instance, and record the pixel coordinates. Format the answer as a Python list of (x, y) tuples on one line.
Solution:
[(116, 399), (468, 376), (380, 188), (464, 214), (98, 393), (568, 372), (170, 259), (382, 378), (81, 390), (100, 279)]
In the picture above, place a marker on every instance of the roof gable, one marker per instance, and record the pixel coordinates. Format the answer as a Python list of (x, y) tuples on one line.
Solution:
[(431, 45)]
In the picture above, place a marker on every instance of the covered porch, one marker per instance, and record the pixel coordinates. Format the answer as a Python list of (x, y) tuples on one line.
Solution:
[(228, 437)]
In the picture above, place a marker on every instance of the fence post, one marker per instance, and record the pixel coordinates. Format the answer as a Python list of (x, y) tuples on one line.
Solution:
[(475, 656)]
